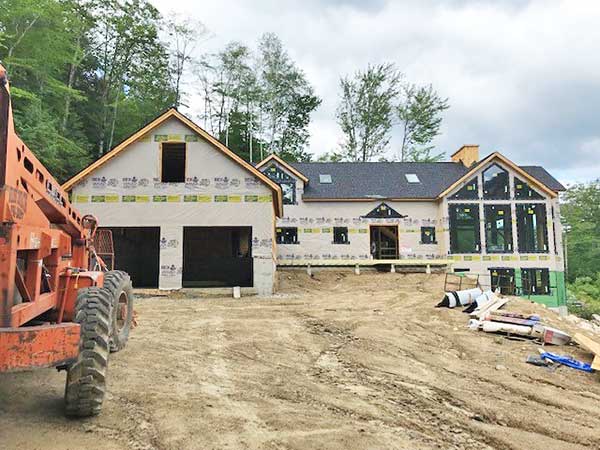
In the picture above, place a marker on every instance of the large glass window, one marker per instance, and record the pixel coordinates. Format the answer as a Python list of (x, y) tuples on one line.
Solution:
[(464, 228), (495, 183), (287, 235), (535, 281), (498, 229), (531, 228), (523, 191), (287, 183), (468, 192)]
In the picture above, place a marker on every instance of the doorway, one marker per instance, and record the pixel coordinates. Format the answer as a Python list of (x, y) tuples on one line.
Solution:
[(217, 257), (384, 241), (137, 252)]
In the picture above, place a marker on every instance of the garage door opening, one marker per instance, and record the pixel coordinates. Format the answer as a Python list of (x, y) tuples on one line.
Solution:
[(137, 253), (217, 257)]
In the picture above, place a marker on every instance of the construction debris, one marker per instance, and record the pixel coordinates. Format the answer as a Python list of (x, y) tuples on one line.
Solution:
[(591, 346), (454, 298), (567, 360)]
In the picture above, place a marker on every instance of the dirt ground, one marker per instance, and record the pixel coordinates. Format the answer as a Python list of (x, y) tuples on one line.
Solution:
[(337, 361)]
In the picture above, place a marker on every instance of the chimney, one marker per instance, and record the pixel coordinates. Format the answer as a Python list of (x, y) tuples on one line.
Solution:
[(467, 155)]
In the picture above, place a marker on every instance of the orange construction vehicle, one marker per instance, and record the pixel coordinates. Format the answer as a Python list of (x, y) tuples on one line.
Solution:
[(59, 306)]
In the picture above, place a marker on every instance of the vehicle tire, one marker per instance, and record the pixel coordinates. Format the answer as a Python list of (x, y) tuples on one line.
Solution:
[(119, 284), (86, 378)]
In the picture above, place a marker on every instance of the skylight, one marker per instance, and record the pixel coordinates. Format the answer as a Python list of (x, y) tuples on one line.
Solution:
[(412, 178), (325, 178)]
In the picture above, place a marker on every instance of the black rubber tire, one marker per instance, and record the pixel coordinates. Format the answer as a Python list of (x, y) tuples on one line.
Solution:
[(119, 284), (86, 378)]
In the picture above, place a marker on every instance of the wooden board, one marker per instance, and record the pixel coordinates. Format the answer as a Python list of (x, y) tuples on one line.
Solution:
[(591, 346)]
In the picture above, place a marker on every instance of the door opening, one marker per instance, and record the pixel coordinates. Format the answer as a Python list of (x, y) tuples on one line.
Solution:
[(384, 242)]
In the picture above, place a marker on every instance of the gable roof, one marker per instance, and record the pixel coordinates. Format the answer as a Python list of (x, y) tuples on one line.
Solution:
[(273, 157), (368, 181), (526, 176), (172, 112)]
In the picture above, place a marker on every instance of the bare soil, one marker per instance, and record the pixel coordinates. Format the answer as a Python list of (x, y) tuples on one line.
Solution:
[(337, 361)]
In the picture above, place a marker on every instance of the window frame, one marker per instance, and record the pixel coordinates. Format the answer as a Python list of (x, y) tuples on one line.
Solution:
[(532, 194), (162, 160), (431, 237), (337, 229), (495, 196), (507, 230), (464, 193), (528, 288), (512, 272), (280, 234), (453, 230), (281, 177), (523, 243)]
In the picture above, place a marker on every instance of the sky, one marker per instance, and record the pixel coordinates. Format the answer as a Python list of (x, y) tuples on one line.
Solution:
[(522, 77)]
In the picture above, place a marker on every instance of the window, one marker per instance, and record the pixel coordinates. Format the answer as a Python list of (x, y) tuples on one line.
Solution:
[(531, 228), (464, 229), (383, 211), (287, 183), (468, 192), (523, 191), (428, 235), (498, 229), (289, 192), (173, 163), (325, 179), (412, 178), (340, 235), (535, 281), (503, 279), (287, 235), (495, 183)]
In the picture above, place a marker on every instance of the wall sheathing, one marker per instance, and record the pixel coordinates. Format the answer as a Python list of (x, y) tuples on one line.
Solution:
[(315, 222), (126, 191)]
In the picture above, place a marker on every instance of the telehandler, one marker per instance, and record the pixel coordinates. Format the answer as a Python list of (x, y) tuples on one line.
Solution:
[(59, 305)]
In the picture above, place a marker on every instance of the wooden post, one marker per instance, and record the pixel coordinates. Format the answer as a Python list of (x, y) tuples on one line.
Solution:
[(428, 269), (393, 268), (357, 269), (309, 270)]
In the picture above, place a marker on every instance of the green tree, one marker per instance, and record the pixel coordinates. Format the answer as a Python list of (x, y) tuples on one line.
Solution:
[(420, 114), (581, 217), (262, 91), (366, 111)]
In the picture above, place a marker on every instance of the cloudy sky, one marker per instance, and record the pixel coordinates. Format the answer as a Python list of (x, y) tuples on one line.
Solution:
[(522, 77)]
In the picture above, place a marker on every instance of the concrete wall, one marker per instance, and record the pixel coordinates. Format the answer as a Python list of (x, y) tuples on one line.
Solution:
[(126, 191)]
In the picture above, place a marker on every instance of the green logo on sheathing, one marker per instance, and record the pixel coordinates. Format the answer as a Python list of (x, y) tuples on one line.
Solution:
[(98, 199), (159, 198), (221, 198), (190, 198), (251, 198), (128, 198)]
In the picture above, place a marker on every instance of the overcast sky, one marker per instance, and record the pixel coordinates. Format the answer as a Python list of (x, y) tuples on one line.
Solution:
[(522, 77)]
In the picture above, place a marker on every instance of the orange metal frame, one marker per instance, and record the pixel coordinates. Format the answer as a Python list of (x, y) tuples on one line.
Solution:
[(44, 255)]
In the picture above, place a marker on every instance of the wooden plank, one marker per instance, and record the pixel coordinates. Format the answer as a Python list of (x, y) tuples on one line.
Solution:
[(591, 346)]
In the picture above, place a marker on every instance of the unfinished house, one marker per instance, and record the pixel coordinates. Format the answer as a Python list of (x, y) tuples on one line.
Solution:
[(488, 217), (183, 209)]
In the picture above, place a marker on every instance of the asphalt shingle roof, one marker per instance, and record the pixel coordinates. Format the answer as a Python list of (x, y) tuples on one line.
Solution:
[(387, 179)]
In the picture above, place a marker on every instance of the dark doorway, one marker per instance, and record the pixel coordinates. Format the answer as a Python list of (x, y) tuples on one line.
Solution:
[(217, 257), (137, 253), (384, 242)]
